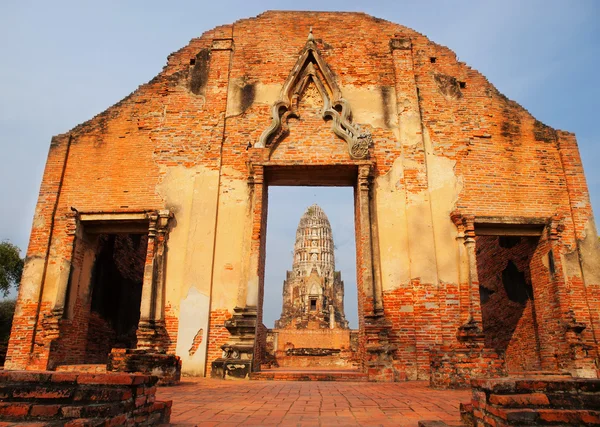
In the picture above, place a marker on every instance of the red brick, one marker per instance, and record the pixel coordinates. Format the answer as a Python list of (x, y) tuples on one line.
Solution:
[(116, 379), (519, 400), (44, 410), (14, 409)]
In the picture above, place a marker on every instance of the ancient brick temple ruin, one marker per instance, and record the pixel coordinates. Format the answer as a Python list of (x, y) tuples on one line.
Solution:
[(476, 248), (313, 292), (312, 330)]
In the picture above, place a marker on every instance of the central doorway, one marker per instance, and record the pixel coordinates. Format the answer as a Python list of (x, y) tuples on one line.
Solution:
[(310, 308), (348, 179)]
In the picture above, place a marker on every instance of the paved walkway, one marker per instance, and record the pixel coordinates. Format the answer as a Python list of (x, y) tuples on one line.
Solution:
[(208, 402)]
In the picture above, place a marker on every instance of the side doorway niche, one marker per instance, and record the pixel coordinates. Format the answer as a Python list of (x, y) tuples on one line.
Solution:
[(116, 294), (104, 292), (508, 306)]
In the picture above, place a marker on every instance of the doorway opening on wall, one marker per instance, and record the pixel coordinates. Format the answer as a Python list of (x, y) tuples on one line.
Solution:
[(504, 266), (310, 305), (116, 294), (104, 291)]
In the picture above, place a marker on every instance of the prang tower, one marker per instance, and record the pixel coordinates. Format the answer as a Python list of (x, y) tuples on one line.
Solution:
[(313, 292)]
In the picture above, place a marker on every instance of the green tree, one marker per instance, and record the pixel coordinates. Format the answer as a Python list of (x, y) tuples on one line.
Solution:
[(11, 266), (7, 310)]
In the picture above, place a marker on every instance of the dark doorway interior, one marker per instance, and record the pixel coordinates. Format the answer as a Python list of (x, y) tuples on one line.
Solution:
[(507, 300), (116, 285)]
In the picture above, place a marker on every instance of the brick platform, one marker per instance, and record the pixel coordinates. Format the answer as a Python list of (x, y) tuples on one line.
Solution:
[(80, 399)]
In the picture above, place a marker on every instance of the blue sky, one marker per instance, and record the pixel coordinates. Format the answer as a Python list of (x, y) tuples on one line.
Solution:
[(65, 61)]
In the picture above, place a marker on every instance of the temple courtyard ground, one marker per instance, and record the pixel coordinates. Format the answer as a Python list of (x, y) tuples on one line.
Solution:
[(210, 402)]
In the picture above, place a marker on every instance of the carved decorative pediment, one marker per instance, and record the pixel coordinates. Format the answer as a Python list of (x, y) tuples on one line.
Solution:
[(312, 68)]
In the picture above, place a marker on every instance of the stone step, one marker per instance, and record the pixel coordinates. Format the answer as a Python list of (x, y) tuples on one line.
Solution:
[(90, 368), (312, 375)]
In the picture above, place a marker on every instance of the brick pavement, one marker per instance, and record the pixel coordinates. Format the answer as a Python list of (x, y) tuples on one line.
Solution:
[(209, 402)]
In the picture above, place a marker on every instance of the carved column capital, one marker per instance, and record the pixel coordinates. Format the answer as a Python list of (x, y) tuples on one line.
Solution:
[(458, 221), (162, 224), (158, 222), (364, 177), (469, 224), (152, 224)]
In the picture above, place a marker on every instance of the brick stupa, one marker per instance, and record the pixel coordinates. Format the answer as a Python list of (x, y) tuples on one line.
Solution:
[(313, 292)]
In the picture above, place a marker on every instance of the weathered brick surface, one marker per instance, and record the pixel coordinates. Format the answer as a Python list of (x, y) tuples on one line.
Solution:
[(518, 401), (444, 140), (218, 336), (167, 367), (81, 399), (454, 368)]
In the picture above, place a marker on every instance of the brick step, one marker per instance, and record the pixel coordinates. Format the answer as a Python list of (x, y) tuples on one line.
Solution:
[(545, 416), (159, 412), (66, 392), (84, 414), (524, 417), (283, 375), (525, 374), (548, 399), (41, 411), (436, 423), (542, 400), (553, 384), (88, 368)]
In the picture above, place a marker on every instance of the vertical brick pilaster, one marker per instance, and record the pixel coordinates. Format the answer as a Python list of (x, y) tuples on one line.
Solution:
[(28, 308)]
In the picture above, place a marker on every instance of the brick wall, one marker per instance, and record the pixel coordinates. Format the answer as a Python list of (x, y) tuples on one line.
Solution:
[(206, 109), (218, 335)]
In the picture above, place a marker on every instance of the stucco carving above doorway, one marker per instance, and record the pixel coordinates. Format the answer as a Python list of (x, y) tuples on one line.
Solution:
[(312, 68)]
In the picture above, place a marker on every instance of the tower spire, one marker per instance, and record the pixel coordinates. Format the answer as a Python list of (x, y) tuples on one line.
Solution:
[(313, 292)]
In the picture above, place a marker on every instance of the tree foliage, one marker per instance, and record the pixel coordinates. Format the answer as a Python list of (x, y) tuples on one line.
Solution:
[(11, 266), (7, 309)]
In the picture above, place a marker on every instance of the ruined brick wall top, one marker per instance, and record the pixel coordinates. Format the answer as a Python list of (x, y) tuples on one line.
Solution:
[(207, 108)]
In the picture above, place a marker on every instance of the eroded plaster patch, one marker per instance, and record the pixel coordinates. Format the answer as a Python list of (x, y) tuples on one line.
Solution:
[(191, 194), (193, 317), (390, 201), (372, 105)]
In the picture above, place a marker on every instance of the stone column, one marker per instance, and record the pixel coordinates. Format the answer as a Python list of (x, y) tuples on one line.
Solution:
[(472, 332), (463, 269), (373, 304), (151, 333), (377, 346), (51, 321), (74, 234), (256, 243), (150, 355)]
